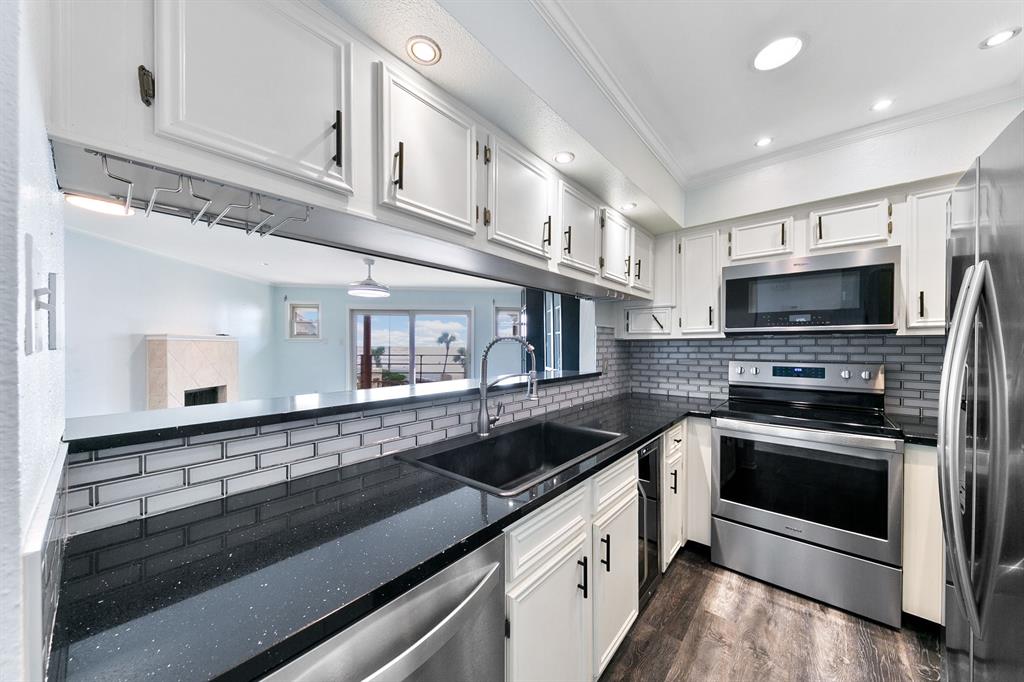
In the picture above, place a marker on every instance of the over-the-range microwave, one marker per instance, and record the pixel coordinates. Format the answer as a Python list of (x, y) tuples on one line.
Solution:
[(850, 291)]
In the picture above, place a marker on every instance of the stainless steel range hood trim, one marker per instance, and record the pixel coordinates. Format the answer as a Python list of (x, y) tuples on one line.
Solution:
[(79, 171)]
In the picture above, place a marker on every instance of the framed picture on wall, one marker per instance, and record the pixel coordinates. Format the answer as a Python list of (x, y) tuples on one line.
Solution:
[(304, 321)]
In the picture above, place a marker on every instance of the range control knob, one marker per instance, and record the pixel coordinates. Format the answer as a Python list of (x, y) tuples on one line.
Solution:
[(739, 370), (845, 374), (755, 370), (865, 375)]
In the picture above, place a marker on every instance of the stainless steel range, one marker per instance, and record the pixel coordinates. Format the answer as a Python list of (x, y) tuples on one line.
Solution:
[(807, 483)]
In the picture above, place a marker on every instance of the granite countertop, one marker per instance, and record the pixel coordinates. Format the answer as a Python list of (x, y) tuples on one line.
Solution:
[(231, 588), (114, 430), (917, 430)]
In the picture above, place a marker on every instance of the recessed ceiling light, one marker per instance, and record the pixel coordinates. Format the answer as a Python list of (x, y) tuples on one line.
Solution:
[(881, 105), (628, 206), (564, 157), (423, 50), (998, 39), (106, 206), (777, 53), (763, 142)]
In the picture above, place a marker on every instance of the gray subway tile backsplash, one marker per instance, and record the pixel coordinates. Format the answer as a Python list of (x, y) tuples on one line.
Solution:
[(217, 464)]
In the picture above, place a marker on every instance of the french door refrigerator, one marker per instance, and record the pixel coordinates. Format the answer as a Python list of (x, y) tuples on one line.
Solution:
[(981, 417)]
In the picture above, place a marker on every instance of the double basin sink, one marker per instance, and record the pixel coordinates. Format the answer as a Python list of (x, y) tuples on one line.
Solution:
[(512, 462)]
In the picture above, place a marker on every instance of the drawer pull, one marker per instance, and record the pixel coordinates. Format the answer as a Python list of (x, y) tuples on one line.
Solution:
[(583, 586), (675, 481)]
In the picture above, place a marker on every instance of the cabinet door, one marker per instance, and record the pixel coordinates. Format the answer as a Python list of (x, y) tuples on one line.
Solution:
[(643, 260), (926, 254), (861, 224), (579, 223), (427, 152), (648, 320), (673, 497), (519, 198), (616, 576), (615, 262), (224, 88), (764, 239), (550, 617), (699, 283)]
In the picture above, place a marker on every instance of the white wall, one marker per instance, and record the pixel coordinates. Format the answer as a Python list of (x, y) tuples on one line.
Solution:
[(930, 149), (118, 294), (325, 365), (31, 385)]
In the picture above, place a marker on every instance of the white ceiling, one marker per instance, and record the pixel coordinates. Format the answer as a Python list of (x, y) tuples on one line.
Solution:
[(684, 69), (273, 260)]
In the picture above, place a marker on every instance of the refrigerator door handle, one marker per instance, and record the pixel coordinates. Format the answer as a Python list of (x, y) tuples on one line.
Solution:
[(950, 390)]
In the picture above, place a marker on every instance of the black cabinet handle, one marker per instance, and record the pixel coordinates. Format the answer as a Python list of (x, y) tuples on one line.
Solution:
[(607, 561), (547, 232), (710, 311), (637, 273), (629, 263), (819, 228), (920, 304), (678, 440), (400, 158), (568, 240), (337, 138), (657, 321), (783, 226), (583, 586), (675, 481)]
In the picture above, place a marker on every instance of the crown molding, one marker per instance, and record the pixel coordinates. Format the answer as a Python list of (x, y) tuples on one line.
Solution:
[(938, 112), (568, 31)]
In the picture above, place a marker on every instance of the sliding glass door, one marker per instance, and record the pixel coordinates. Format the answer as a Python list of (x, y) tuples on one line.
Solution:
[(396, 347)]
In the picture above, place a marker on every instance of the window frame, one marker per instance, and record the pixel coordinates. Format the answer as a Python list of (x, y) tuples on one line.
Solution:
[(289, 306), (411, 314)]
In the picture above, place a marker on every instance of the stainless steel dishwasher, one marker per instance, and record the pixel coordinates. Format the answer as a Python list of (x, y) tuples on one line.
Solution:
[(450, 627)]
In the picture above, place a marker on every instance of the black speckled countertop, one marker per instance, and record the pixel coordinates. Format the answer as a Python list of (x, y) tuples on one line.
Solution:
[(232, 588)]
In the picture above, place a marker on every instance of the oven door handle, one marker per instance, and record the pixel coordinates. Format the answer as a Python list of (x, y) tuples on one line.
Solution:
[(852, 440)]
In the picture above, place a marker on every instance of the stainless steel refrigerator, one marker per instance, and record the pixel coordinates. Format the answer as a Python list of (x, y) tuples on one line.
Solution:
[(981, 417)]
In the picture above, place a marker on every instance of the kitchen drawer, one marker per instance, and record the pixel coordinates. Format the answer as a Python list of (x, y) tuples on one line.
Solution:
[(675, 439), (610, 484), (530, 540)]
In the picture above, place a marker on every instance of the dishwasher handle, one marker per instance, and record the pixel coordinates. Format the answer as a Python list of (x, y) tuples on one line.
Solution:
[(406, 663)]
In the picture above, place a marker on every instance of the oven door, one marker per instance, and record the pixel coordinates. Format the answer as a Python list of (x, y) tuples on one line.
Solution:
[(838, 490)]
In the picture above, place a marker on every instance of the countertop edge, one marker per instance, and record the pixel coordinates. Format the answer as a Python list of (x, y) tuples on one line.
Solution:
[(133, 436)]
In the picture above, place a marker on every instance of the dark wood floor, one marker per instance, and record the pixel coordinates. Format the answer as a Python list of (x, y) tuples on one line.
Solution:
[(708, 623)]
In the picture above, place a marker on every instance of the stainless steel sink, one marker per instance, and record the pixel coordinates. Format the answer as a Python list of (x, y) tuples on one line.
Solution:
[(509, 463)]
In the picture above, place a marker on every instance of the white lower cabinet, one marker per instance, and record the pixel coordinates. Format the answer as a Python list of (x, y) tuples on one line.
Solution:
[(673, 494), (698, 479), (924, 557), (572, 578)]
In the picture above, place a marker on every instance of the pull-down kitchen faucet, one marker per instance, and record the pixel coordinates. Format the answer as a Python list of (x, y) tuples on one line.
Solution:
[(485, 421)]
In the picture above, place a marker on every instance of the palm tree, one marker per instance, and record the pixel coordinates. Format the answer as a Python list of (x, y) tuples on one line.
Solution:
[(445, 340), (461, 357), (377, 352)]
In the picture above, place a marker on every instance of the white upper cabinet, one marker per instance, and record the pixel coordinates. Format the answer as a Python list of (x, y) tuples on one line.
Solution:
[(224, 87), (520, 193), (699, 283), (867, 224), (773, 238), (580, 225), (926, 258), (643, 260), (657, 320), (427, 152), (615, 260)]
